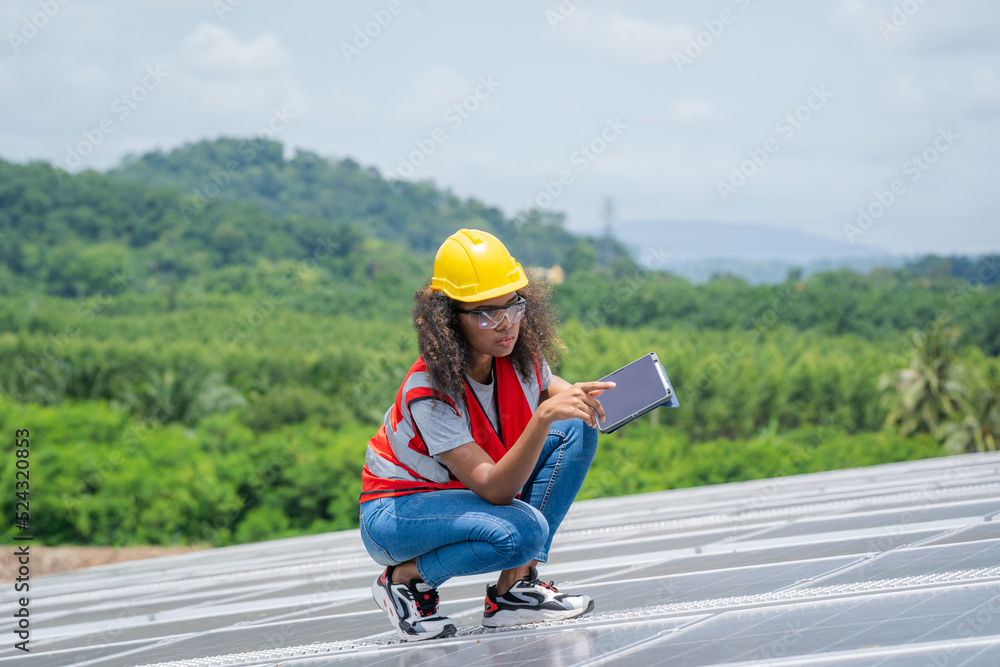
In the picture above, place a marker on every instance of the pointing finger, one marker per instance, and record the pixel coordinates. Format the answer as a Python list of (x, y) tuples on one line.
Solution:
[(593, 386)]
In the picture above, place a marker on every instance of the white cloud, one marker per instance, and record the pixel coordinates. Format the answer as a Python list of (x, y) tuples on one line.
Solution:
[(859, 21), (943, 29), (215, 79), (919, 26), (985, 96), (973, 91), (905, 97), (623, 38), (427, 94), (346, 107), (8, 80), (696, 113), (211, 51)]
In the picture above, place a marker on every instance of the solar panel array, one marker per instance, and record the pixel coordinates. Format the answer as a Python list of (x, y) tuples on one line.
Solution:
[(890, 565)]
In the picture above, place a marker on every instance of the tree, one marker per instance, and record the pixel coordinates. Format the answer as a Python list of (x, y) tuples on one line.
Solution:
[(977, 425), (79, 272), (183, 395), (925, 393), (580, 256)]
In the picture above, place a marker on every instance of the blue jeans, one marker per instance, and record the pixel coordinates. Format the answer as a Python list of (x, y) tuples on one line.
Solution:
[(455, 532)]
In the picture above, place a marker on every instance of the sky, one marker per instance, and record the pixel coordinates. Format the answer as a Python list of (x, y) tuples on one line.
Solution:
[(874, 122)]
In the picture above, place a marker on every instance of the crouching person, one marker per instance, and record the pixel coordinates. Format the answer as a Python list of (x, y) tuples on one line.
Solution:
[(482, 452)]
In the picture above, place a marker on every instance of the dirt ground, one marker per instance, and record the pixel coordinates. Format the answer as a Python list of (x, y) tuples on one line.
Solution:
[(51, 560)]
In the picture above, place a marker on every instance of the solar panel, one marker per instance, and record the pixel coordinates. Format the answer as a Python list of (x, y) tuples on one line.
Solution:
[(890, 565)]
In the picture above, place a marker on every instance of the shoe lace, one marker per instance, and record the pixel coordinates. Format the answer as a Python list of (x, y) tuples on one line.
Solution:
[(538, 582), (427, 601)]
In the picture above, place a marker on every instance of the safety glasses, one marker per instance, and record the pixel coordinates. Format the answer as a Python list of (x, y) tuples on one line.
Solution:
[(490, 318)]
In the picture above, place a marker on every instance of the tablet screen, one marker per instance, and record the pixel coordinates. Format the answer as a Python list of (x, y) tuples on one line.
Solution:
[(637, 386)]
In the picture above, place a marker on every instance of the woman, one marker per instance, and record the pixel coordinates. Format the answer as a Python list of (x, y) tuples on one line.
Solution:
[(483, 450)]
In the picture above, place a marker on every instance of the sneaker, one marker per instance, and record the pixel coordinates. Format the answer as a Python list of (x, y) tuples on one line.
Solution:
[(530, 601), (412, 608)]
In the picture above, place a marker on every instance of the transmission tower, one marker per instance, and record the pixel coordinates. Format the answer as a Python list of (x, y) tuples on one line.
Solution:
[(608, 244)]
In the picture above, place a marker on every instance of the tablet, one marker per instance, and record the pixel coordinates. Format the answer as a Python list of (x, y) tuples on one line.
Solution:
[(640, 387)]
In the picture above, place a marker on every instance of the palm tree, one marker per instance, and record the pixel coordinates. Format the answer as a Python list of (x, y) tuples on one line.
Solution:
[(977, 428), (925, 393), (184, 396)]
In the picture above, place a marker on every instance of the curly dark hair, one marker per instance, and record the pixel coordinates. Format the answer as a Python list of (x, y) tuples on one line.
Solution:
[(447, 353)]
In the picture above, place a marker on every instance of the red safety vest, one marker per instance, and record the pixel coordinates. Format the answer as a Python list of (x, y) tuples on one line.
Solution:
[(397, 461)]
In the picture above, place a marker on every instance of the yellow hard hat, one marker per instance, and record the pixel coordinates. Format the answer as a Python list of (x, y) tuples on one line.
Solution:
[(472, 265)]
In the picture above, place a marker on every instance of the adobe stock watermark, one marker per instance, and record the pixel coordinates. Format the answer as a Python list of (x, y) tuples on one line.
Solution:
[(781, 648), (562, 12), (601, 314), (264, 476), (363, 35), (786, 126), (35, 23), (975, 622), (112, 627), (223, 7), (704, 39), (988, 269), (121, 108), (455, 116), (57, 343), (294, 279), (764, 491), (380, 369), (899, 17), (219, 179), (750, 333), (913, 168), (582, 158)]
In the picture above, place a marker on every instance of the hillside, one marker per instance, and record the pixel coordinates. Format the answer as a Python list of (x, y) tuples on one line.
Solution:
[(416, 215), (205, 206)]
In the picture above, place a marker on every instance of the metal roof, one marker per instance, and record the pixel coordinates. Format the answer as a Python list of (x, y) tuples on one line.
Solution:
[(889, 565)]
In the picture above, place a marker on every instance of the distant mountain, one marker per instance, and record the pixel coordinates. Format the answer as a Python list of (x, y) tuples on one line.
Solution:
[(698, 240), (771, 273), (756, 253)]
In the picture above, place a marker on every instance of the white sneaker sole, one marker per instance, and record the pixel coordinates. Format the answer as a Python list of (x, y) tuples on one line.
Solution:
[(382, 599), (505, 618)]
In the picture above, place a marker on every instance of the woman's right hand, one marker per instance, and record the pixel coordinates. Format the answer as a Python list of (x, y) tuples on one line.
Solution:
[(578, 401), (499, 482)]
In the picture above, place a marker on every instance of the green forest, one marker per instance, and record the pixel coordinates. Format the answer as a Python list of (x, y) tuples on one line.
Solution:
[(202, 341)]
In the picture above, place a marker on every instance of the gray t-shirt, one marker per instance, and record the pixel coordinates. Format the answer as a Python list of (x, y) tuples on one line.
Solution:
[(443, 430)]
